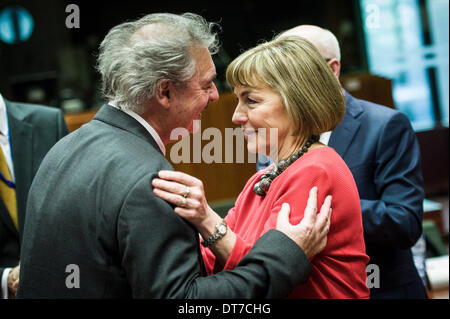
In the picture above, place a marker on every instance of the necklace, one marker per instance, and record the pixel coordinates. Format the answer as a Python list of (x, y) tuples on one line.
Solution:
[(263, 185)]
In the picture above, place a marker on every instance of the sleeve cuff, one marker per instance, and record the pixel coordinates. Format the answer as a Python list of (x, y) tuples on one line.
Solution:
[(239, 251), (4, 290), (288, 248), (296, 262)]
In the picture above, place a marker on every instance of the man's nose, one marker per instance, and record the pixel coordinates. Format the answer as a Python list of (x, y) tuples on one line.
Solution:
[(214, 95)]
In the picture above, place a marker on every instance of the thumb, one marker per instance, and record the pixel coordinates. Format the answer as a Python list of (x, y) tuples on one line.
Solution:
[(283, 215)]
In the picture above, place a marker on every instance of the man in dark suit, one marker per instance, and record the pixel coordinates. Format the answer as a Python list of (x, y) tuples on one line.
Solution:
[(95, 229), (380, 147), (27, 132)]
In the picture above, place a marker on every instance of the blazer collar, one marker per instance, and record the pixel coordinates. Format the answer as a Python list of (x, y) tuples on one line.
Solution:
[(353, 107), (344, 133), (115, 117)]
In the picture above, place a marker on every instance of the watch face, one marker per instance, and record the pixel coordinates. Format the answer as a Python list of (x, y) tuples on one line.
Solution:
[(222, 229)]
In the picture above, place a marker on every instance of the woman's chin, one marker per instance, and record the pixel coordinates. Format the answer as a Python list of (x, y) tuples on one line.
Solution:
[(254, 149)]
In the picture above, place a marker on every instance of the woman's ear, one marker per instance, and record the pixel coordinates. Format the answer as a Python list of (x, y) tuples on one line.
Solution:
[(163, 93)]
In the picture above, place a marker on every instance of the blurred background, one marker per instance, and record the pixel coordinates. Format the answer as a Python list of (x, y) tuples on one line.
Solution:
[(394, 52)]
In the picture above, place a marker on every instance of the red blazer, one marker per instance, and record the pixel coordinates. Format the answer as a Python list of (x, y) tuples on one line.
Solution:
[(339, 271)]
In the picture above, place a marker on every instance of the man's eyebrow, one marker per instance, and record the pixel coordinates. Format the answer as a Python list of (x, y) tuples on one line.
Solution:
[(210, 79)]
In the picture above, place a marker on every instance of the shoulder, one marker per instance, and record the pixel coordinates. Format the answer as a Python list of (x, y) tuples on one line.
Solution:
[(32, 112), (322, 167), (375, 113), (387, 123), (316, 165), (317, 161), (121, 149)]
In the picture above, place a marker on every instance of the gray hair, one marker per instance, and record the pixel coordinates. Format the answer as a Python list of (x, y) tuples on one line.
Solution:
[(135, 57)]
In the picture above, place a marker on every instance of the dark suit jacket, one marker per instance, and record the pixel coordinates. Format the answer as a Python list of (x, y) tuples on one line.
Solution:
[(34, 129), (91, 205), (381, 150)]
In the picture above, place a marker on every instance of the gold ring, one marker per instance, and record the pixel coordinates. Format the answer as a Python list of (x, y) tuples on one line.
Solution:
[(183, 202), (187, 192)]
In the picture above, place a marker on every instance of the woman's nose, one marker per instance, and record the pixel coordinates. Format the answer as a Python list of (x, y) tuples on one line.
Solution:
[(239, 115)]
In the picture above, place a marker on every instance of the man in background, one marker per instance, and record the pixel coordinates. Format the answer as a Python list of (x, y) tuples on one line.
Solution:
[(27, 132)]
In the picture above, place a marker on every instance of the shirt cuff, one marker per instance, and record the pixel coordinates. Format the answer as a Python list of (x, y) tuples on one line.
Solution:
[(4, 294)]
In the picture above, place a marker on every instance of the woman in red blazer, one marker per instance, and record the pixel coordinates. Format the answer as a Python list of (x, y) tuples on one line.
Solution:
[(287, 97)]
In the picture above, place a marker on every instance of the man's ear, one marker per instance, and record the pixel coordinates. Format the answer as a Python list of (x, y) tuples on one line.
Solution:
[(335, 66), (163, 93)]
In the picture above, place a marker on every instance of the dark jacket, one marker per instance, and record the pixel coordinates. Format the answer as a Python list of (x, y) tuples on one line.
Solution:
[(33, 130)]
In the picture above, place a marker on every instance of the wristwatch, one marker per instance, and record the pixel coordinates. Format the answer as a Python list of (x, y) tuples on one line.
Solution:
[(221, 230)]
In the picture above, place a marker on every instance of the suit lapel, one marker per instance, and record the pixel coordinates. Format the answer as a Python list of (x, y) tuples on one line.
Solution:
[(343, 135)]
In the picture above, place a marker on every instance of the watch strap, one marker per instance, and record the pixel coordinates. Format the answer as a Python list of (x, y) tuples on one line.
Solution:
[(218, 234)]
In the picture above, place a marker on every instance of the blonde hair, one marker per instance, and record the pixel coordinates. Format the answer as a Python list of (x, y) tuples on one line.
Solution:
[(292, 67)]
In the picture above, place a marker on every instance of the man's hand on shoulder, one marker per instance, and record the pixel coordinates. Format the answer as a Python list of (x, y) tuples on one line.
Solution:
[(311, 233)]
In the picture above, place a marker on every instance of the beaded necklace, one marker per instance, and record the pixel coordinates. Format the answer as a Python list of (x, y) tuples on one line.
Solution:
[(263, 185)]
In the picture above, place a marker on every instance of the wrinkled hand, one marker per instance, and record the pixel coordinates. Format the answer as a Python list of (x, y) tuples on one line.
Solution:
[(13, 281), (187, 193), (311, 233)]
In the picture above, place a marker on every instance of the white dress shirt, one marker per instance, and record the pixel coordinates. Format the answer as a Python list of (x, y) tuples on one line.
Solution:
[(325, 137), (4, 137)]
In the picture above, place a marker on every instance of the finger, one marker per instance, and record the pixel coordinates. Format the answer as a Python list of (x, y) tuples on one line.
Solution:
[(326, 229), (179, 177), (328, 224), (185, 213), (169, 197), (178, 189), (324, 216), (310, 213), (283, 215), (170, 187)]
